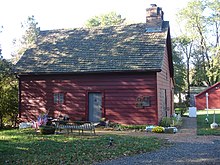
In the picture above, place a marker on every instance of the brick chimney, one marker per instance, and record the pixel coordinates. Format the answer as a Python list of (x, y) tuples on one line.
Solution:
[(154, 18)]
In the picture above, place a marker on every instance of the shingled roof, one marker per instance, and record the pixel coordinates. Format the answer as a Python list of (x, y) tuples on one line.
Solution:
[(110, 49)]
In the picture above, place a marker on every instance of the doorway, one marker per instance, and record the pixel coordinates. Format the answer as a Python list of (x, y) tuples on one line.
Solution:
[(95, 106)]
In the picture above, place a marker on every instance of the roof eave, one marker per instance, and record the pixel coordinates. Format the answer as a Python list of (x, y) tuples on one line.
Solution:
[(206, 90), (86, 72)]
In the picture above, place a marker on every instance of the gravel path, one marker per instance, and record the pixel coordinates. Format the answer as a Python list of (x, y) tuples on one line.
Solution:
[(179, 153), (187, 148)]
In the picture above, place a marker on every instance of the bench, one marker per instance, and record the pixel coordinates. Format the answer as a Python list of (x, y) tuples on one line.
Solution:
[(80, 126)]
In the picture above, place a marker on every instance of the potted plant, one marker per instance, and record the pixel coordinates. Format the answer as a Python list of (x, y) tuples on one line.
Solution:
[(47, 129), (102, 122), (45, 125)]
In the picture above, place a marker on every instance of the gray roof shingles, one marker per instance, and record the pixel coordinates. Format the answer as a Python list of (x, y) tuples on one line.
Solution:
[(110, 49)]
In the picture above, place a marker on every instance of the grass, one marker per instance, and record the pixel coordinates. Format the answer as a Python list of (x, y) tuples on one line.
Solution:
[(203, 127), (27, 147)]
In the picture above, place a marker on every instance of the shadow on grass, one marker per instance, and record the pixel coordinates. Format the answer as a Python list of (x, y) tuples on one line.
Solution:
[(27, 147)]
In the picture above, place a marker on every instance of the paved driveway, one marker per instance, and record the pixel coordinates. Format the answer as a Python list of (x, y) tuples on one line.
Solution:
[(187, 148)]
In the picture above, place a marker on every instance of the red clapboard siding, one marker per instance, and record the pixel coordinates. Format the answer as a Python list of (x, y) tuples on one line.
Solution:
[(164, 83), (213, 98), (120, 92)]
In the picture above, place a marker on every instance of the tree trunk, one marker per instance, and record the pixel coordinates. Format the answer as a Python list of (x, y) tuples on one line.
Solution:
[(188, 85), (1, 121), (180, 98)]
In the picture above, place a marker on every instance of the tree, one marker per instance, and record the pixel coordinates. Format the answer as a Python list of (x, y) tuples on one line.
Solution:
[(8, 93), (31, 32), (202, 22), (214, 23), (179, 71), (184, 46), (108, 19)]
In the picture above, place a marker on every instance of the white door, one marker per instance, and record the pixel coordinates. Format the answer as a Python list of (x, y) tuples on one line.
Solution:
[(95, 106)]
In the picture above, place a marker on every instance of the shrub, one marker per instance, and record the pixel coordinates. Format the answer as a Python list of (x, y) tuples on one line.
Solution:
[(138, 127), (158, 129), (165, 122), (176, 122), (171, 122), (121, 127)]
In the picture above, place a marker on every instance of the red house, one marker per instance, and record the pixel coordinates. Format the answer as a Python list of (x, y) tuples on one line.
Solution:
[(213, 98), (121, 73)]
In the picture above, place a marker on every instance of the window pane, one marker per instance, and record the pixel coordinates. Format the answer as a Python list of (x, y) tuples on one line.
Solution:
[(61, 98), (56, 98)]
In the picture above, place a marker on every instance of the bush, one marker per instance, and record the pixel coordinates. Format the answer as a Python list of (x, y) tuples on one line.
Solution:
[(170, 122), (176, 122), (166, 122), (158, 129), (138, 127), (121, 127)]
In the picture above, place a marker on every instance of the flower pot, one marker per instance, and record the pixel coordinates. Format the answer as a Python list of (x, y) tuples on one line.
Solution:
[(46, 130), (170, 130)]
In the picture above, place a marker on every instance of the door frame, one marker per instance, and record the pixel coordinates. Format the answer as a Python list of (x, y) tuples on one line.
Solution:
[(163, 100), (103, 114)]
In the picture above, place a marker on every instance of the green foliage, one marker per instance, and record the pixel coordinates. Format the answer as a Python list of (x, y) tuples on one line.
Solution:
[(166, 122), (158, 129), (8, 94), (27, 147), (201, 22), (121, 127), (132, 127), (170, 122), (179, 69), (183, 45), (31, 29), (176, 123), (29, 37), (214, 72), (192, 14), (108, 19)]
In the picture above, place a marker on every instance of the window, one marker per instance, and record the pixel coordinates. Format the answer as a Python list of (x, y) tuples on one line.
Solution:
[(143, 101), (146, 101), (58, 98)]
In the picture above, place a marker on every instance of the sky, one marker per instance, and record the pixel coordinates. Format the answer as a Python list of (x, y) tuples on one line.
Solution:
[(64, 14)]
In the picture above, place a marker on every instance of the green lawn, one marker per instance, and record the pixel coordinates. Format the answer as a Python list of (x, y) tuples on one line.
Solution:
[(203, 127), (27, 147)]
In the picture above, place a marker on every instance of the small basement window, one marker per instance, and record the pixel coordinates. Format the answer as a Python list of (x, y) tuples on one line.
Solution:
[(58, 98)]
